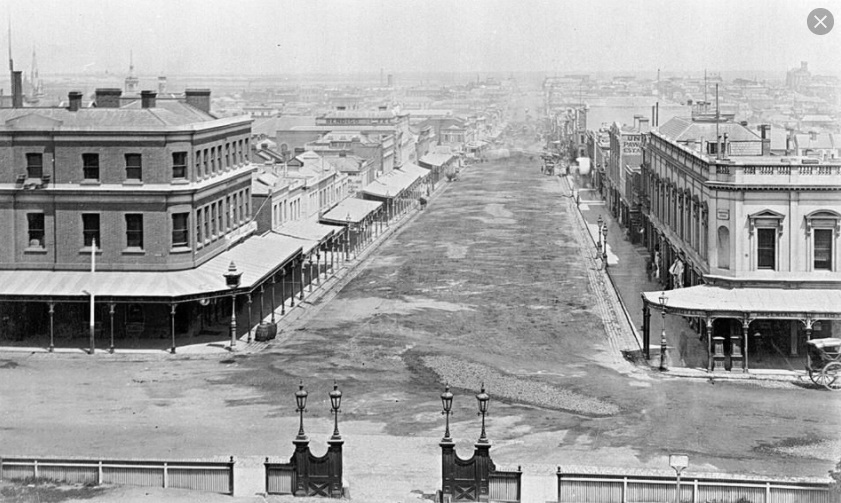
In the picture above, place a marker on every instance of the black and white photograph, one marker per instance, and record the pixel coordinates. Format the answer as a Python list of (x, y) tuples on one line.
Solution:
[(420, 251)]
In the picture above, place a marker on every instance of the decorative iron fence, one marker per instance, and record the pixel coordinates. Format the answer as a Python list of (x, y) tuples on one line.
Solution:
[(707, 488), (207, 476)]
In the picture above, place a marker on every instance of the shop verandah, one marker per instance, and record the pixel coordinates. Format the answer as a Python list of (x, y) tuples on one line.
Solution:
[(743, 328), (146, 310)]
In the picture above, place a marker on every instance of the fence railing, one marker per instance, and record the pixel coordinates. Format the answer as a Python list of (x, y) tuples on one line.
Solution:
[(280, 478), (707, 488), (504, 487), (207, 476)]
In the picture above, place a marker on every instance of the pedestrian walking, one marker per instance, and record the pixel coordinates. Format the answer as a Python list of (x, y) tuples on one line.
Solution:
[(683, 346), (649, 268)]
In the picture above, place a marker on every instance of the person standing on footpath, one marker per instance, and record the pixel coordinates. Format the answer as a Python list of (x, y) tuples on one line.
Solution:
[(649, 268)]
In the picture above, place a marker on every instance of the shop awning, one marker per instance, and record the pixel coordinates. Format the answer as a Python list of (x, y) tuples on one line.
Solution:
[(356, 209), (718, 302), (257, 258), (414, 169), (310, 233), (391, 184), (436, 158)]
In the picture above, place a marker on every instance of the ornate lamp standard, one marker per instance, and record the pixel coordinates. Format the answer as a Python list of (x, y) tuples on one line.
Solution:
[(600, 221), (447, 402), (663, 300), (483, 399), (232, 279), (335, 403), (604, 234), (301, 400), (347, 241)]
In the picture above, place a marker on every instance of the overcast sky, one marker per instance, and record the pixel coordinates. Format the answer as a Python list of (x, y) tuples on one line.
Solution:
[(170, 37)]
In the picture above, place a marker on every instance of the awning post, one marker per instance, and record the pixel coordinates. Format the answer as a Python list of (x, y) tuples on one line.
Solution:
[(52, 326), (172, 326)]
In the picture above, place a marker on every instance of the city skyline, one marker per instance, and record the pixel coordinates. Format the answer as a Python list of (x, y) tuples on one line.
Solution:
[(274, 38)]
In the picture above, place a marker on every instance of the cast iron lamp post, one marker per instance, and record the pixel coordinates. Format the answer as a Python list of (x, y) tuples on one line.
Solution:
[(335, 403), (604, 234), (663, 300), (600, 222), (347, 241), (483, 399), (232, 279), (301, 400), (447, 402)]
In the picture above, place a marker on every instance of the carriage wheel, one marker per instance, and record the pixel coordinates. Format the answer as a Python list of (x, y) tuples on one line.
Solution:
[(813, 376), (831, 376)]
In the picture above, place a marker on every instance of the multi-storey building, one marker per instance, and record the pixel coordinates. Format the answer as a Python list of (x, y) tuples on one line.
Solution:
[(754, 236), (623, 168), (113, 175), (155, 194)]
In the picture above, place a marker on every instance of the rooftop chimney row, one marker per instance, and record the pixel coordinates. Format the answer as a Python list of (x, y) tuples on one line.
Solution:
[(147, 99)]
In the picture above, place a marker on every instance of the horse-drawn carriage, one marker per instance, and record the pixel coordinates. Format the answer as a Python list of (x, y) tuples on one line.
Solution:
[(824, 367)]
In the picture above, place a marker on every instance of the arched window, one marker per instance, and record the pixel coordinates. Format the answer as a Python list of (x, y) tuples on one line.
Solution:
[(723, 247)]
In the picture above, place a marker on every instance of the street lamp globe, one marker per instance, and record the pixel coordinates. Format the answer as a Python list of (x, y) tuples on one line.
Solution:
[(335, 397), (447, 398), (232, 277), (604, 231), (600, 221), (301, 397), (663, 343), (663, 299)]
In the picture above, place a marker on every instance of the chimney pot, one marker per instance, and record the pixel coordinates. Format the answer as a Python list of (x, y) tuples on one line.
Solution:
[(74, 99), (644, 125)]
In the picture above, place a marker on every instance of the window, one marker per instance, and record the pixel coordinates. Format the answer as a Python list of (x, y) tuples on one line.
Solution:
[(213, 219), (34, 165), (179, 165), (199, 225), (134, 231), (823, 249), (90, 230), (90, 166), (219, 223), (180, 231), (766, 248), (134, 168), (206, 234), (36, 229)]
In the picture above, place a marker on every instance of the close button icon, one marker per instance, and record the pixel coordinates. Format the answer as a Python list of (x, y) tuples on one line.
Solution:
[(820, 21)]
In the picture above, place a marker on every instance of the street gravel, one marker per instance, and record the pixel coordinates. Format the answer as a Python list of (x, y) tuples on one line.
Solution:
[(463, 374)]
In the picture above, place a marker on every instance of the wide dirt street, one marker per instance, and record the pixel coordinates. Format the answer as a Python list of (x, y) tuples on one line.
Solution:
[(490, 283)]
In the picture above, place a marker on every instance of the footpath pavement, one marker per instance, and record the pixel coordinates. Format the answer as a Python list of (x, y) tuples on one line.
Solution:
[(626, 273), (321, 292)]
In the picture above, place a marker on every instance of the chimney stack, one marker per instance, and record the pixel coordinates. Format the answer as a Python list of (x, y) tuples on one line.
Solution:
[(724, 145), (107, 97), (17, 89), (74, 101), (637, 120), (198, 98), (657, 114), (765, 131), (644, 125), (147, 99), (161, 85)]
